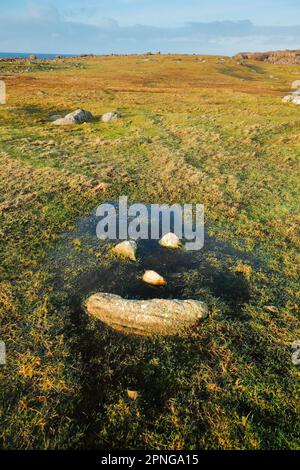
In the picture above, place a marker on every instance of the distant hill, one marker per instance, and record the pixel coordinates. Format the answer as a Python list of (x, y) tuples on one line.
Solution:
[(273, 57)]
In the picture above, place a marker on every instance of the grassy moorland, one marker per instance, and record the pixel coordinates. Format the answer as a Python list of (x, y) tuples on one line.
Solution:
[(212, 131)]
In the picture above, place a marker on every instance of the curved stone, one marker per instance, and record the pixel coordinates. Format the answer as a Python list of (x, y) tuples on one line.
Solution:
[(146, 317), (127, 249), (153, 278), (170, 240)]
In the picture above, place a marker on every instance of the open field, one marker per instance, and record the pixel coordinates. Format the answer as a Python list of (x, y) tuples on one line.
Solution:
[(194, 129)]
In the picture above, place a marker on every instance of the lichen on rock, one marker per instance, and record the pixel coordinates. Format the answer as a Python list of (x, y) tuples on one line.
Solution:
[(166, 317)]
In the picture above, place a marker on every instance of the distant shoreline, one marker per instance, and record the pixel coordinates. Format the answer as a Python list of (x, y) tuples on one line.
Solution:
[(280, 57), (27, 55)]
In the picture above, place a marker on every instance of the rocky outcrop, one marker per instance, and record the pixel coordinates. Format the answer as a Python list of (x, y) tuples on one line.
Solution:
[(273, 57), (146, 317), (77, 117)]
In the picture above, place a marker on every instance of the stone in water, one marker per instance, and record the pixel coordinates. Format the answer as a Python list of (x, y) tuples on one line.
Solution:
[(127, 249), (153, 278), (146, 317)]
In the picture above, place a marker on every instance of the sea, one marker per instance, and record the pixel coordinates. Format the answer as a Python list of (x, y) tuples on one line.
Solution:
[(25, 55)]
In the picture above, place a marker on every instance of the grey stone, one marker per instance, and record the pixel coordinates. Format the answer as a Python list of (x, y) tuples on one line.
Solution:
[(55, 117), (76, 117), (296, 358), (112, 116), (295, 347)]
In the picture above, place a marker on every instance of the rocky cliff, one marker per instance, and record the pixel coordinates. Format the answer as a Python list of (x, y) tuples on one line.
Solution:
[(273, 57)]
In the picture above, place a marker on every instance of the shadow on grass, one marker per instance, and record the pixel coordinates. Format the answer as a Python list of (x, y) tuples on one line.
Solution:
[(159, 368)]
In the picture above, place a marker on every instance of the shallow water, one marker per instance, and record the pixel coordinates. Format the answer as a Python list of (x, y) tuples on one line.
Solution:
[(189, 274)]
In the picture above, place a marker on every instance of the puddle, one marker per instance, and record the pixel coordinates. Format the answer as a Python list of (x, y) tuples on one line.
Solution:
[(84, 265)]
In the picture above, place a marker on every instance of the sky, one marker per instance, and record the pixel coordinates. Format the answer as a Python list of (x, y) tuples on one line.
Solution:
[(138, 26)]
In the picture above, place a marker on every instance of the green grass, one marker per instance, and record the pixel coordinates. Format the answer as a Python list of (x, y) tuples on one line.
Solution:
[(190, 132)]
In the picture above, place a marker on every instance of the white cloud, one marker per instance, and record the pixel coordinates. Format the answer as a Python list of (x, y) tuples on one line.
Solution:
[(43, 26), (43, 12)]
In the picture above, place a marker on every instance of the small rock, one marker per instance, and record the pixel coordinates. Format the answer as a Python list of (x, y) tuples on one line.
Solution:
[(101, 187), (170, 240), (166, 317), (287, 99), (77, 117), (293, 98), (127, 249), (112, 116), (132, 394), (296, 100), (296, 85), (296, 358), (296, 345), (153, 278), (271, 309)]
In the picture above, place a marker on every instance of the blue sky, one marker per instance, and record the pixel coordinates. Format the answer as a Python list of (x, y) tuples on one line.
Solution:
[(128, 26)]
